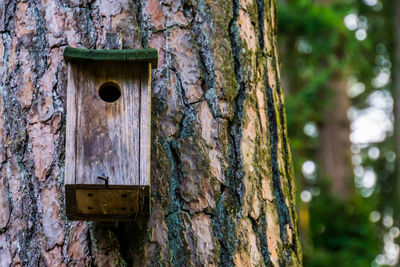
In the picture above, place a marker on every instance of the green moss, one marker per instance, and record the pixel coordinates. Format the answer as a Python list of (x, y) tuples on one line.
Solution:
[(215, 187), (222, 16), (252, 10), (131, 55)]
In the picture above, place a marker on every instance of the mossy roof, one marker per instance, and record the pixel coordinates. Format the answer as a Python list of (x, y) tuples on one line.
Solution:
[(130, 55)]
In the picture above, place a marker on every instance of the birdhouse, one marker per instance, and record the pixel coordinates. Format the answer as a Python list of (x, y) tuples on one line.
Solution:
[(107, 157)]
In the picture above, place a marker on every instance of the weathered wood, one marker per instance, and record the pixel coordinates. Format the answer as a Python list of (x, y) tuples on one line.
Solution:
[(145, 124), (71, 128), (106, 134), (115, 203), (108, 139)]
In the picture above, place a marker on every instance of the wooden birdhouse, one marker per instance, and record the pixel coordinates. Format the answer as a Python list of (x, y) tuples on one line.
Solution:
[(107, 157)]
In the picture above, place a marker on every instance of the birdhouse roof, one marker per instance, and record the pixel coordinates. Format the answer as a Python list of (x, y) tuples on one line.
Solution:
[(130, 55)]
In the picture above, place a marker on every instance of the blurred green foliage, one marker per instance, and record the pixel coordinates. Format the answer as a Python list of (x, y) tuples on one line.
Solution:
[(341, 234), (315, 45)]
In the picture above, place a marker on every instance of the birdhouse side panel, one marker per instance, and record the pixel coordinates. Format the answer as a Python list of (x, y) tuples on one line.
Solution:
[(71, 129), (145, 124)]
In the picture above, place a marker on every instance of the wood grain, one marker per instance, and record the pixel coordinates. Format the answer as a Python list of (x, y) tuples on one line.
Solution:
[(145, 125), (105, 201), (108, 140), (70, 131), (115, 203), (107, 134)]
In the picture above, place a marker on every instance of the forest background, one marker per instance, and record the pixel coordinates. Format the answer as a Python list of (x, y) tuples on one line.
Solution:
[(340, 71)]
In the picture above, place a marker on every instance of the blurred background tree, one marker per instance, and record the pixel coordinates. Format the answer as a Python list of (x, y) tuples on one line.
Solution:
[(337, 59)]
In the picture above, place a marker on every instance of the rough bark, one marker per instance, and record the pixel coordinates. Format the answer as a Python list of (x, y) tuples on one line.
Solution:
[(222, 179)]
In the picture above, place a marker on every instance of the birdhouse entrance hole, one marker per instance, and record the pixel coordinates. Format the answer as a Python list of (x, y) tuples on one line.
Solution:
[(109, 92)]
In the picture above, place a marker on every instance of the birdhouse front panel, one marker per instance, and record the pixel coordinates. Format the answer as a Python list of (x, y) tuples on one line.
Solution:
[(108, 136)]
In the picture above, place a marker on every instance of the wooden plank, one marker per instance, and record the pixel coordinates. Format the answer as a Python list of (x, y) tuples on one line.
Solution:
[(107, 202), (110, 140), (107, 134), (145, 124), (115, 203), (71, 127), (131, 55)]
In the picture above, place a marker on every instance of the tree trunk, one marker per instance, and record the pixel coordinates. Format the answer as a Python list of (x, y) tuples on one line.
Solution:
[(222, 179), (334, 135), (334, 140)]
